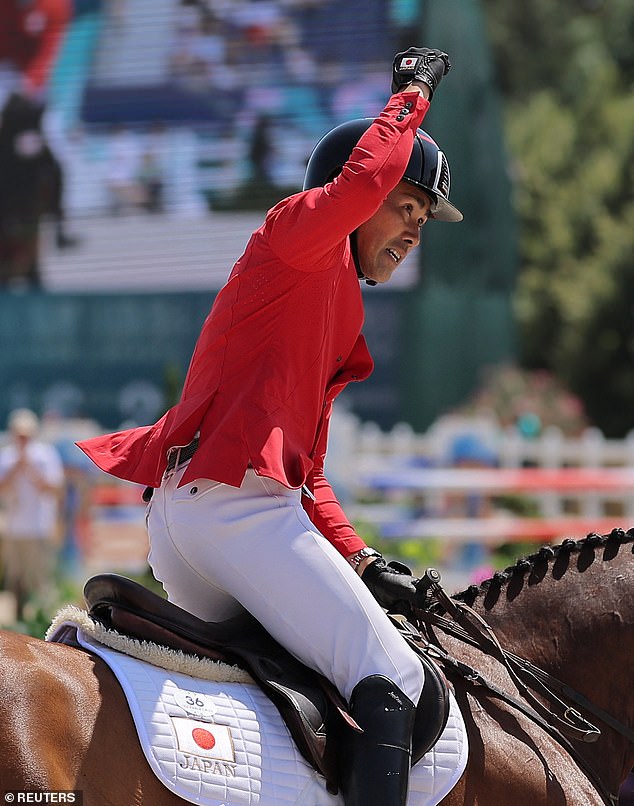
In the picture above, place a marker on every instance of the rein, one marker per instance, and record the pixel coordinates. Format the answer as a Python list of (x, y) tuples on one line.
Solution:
[(562, 723)]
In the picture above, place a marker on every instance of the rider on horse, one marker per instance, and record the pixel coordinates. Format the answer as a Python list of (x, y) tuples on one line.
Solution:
[(242, 515)]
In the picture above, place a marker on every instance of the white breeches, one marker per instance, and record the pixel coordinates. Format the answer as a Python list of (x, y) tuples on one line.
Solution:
[(218, 549)]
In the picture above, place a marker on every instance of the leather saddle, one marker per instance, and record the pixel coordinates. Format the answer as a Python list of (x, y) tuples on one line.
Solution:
[(311, 707)]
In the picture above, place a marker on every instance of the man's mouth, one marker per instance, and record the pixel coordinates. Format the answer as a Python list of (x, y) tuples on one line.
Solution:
[(394, 255)]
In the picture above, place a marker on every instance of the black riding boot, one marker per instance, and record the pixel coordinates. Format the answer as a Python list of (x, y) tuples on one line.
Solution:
[(375, 764)]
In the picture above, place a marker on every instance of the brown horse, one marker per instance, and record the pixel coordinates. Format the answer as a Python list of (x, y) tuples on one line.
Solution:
[(66, 725)]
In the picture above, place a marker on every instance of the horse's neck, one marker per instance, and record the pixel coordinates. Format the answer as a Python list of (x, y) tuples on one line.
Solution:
[(573, 616)]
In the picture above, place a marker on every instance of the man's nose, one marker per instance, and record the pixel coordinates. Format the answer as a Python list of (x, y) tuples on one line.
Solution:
[(412, 235)]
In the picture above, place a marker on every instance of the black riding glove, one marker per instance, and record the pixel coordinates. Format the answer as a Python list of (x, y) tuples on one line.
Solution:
[(419, 64), (389, 583)]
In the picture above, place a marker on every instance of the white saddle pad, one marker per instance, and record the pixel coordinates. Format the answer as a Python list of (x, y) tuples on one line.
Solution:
[(225, 744)]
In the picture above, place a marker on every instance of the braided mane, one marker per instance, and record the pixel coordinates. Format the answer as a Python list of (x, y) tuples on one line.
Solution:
[(541, 560)]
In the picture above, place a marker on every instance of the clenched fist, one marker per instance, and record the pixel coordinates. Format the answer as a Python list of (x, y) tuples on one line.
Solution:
[(419, 64)]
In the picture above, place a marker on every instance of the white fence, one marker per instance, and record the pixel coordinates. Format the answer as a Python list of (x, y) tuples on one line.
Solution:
[(551, 449), (401, 482)]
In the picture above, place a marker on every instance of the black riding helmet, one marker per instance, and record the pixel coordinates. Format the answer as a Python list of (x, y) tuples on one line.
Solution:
[(427, 168)]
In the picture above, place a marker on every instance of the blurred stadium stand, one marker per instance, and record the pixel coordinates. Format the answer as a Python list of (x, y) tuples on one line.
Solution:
[(175, 64), (178, 123)]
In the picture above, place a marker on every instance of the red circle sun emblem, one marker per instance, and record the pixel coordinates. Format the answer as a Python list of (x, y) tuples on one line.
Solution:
[(203, 738)]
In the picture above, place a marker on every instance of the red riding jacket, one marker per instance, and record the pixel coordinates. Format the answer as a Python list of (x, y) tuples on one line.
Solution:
[(282, 340)]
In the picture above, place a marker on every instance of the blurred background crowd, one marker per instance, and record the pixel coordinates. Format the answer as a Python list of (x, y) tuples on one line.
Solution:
[(141, 142)]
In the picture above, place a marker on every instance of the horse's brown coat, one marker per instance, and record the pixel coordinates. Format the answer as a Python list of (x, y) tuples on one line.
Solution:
[(65, 723)]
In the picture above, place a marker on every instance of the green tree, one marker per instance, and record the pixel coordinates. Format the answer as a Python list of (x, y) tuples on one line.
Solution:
[(537, 45), (566, 69)]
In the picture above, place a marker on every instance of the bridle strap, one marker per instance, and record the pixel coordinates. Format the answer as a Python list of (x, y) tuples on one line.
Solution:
[(472, 676), (469, 627), (526, 667), (574, 696), (568, 720), (604, 716)]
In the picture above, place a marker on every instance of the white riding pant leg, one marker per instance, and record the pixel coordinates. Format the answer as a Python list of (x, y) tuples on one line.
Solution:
[(218, 549)]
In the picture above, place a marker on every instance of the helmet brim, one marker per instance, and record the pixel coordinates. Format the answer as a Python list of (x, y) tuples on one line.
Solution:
[(441, 209), (446, 211)]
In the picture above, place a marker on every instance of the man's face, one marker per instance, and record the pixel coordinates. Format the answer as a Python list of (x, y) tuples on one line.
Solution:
[(385, 239)]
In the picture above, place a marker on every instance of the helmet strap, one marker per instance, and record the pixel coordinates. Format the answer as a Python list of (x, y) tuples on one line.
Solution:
[(355, 257)]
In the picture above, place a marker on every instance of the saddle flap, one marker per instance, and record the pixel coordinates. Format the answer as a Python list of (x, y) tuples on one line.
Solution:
[(432, 710), (303, 698)]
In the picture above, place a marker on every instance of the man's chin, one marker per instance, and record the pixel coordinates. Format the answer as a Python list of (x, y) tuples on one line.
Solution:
[(381, 276), (378, 272)]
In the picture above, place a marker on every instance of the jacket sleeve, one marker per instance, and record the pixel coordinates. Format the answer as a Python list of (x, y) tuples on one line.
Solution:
[(321, 218), (330, 519), (327, 514)]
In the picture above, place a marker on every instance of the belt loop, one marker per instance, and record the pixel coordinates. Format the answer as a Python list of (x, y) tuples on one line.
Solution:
[(179, 454), (308, 493), (173, 455)]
